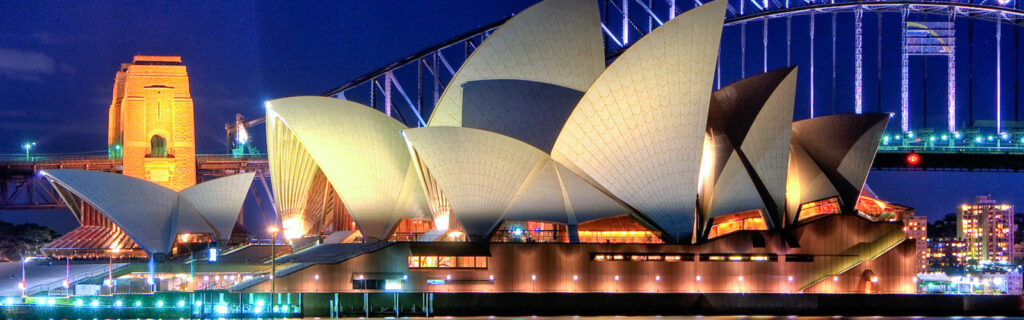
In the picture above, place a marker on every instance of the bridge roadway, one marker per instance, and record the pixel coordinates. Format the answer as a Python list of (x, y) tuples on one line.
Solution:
[(964, 159), (21, 187)]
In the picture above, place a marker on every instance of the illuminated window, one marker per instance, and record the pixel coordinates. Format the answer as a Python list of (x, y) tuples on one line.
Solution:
[(446, 262), (465, 262), (531, 231), (747, 220), (739, 257), (642, 257), (621, 229), (428, 262), (878, 210), (817, 208)]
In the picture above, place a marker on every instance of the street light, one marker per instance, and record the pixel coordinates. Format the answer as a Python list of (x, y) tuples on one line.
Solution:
[(28, 147), (23, 285), (273, 263)]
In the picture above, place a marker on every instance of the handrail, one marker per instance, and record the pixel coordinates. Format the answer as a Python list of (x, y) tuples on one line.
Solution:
[(75, 278), (287, 268)]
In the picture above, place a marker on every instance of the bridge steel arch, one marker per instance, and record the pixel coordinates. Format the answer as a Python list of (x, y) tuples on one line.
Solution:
[(760, 32)]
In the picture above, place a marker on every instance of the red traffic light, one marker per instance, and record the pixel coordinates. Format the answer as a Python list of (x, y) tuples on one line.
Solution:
[(913, 159)]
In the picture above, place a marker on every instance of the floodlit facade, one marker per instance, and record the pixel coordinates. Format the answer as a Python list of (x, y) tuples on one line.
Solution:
[(152, 126), (541, 169), (123, 216)]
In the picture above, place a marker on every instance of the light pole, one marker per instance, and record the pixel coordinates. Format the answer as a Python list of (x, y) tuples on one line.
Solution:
[(67, 275), (28, 147), (23, 285), (273, 264)]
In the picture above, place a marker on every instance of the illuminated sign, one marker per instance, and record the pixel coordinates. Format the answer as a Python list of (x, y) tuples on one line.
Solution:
[(435, 281)]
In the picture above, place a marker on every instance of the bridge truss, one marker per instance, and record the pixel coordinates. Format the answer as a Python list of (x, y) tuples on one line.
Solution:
[(409, 88)]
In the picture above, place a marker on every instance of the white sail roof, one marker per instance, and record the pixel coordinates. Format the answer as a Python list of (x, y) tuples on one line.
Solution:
[(360, 151), (556, 42), (481, 172), (153, 215), (218, 201), (639, 129)]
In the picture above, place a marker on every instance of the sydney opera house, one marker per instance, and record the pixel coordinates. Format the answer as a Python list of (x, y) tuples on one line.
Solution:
[(545, 168)]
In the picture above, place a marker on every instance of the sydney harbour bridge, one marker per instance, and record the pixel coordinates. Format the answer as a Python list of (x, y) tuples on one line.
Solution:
[(886, 56)]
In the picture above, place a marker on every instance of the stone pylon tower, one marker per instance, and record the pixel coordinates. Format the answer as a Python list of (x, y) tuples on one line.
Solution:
[(152, 126)]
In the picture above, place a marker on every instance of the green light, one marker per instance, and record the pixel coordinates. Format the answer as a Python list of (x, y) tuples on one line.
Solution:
[(181, 303), (138, 303), (78, 302), (118, 303), (160, 304), (117, 147), (95, 303)]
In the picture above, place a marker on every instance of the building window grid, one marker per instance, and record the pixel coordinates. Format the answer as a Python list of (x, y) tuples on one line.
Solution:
[(447, 262)]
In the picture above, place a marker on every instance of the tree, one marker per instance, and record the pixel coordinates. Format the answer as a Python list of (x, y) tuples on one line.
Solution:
[(17, 240), (945, 228), (1018, 233)]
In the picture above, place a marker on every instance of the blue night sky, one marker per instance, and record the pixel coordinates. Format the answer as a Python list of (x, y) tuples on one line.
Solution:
[(58, 60)]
